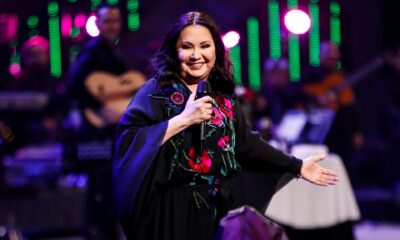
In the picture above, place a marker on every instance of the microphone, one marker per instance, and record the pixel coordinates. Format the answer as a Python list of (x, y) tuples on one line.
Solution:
[(203, 89)]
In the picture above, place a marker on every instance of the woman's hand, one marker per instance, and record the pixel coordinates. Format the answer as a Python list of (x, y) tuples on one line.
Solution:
[(314, 173), (197, 111)]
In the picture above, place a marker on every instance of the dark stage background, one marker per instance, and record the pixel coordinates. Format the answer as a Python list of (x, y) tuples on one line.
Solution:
[(47, 201)]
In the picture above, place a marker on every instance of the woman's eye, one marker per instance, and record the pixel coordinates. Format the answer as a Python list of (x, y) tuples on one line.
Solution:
[(205, 46), (185, 46)]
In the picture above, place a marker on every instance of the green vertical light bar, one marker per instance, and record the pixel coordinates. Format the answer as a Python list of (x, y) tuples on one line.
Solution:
[(54, 39), (112, 2), (294, 58), (292, 4), (132, 5), (133, 15), (15, 57), (335, 35), (75, 32), (94, 4), (294, 50), (274, 30), (314, 37), (234, 54), (133, 21), (253, 49), (32, 23)]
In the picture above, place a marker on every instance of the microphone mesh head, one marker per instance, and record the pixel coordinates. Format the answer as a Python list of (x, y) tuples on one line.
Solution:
[(203, 89)]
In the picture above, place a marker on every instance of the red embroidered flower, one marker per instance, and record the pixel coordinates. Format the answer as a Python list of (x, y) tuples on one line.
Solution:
[(200, 164), (217, 117), (177, 98), (225, 106), (224, 143)]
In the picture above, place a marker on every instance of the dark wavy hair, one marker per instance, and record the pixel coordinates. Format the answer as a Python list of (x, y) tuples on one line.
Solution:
[(165, 64)]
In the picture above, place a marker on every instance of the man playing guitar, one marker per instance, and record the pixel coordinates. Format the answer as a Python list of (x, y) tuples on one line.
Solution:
[(99, 81), (326, 87), (101, 88)]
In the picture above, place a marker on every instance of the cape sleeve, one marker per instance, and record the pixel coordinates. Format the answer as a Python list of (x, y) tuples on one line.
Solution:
[(265, 169), (138, 141)]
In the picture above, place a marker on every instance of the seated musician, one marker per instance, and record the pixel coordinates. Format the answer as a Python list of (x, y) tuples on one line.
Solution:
[(100, 87), (325, 87), (33, 115), (98, 81)]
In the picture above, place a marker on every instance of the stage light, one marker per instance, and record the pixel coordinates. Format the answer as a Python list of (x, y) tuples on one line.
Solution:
[(54, 39), (133, 15), (75, 32), (33, 21), (274, 26), (335, 27), (94, 4), (297, 21), (112, 2), (133, 21), (234, 54), (66, 24), (314, 37), (91, 27), (14, 69), (231, 39), (80, 20), (253, 51)]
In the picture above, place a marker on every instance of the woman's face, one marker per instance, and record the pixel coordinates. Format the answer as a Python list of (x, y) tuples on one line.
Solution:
[(196, 53)]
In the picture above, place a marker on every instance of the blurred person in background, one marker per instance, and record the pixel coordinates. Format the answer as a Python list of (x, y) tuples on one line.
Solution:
[(326, 87), (40, 94), (277, 94), (98, 93)]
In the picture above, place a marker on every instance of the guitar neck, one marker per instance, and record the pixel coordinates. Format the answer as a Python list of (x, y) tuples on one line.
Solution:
[(361, 73)]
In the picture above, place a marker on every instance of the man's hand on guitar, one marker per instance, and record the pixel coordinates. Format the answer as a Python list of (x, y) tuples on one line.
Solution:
[(326, 99), (102, 118)]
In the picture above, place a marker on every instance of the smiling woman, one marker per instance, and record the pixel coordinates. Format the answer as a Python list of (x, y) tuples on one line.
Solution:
[(196, 53), (166, 186)]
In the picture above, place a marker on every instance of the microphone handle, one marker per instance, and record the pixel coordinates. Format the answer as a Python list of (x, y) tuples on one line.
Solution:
[(202, 137), (203, 89)]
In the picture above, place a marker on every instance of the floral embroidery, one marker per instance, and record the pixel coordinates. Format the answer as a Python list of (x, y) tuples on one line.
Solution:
[(217, 118), (220, 133), (174, 96), (225, 106), (200, 164), (177, 98), (224, 143)]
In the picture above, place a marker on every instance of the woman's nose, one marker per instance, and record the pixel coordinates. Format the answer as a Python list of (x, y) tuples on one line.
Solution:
[(195, 55)]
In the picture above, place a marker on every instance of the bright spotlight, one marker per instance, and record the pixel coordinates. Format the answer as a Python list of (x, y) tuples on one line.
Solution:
[(91, 27), (297, 21), (231, 39)]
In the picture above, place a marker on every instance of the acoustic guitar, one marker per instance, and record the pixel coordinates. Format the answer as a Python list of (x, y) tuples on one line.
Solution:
[(114, 92), (340, 86)]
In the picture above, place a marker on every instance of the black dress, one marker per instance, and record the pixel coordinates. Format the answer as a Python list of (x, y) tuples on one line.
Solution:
[(171, 191)]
